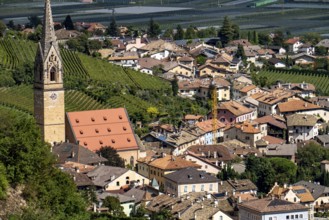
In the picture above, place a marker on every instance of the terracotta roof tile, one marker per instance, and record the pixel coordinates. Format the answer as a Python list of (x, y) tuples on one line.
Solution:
[(207, 125), (296, 105), (109, 127), (272, 120), (170, 162), (273, 140), (234, 107), (248, 88)]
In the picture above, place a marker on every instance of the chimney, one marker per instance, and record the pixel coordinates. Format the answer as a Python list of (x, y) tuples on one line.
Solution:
[(239, 199), (215, 154), (305, 104)]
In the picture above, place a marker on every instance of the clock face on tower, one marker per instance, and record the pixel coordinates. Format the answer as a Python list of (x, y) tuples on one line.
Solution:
[(53, 96)]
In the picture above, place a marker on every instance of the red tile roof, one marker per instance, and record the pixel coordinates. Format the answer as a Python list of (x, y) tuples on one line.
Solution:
[(273, 140), (108, 127), (207, 125), (296, 105)]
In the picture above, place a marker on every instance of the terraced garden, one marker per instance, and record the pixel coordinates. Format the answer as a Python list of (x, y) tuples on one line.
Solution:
[(320, 80)]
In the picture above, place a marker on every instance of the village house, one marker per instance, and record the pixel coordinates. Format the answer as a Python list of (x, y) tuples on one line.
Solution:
[(208, 156), (319, 192), (276, 63), (287, 151), (193, 119), (294, 44), (304, 90), (125, 59), (233, 112), (64, 35), (134, 46), (157, 168), (190, 180), (94, 129), (227, 62), (214, 131), (201, 88), (70, 152), (111, 178), (147, 65), (243, 188), (126, 202), (243, 89), (323, 140), (302, 107), (248, 132), (276, 125), (193, 205), (303, 59), (270, 209), (324, 43), (302, 127), (212, 70), (296, 194), (160, 49), (267, 102)]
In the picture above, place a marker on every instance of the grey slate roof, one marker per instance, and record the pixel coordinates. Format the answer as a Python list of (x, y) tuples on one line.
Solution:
[(137, 194), (103, 175), (281, 150), (301, 120), (122, 198), (75, 153), (316, 189), (323, 138), (190, 175)]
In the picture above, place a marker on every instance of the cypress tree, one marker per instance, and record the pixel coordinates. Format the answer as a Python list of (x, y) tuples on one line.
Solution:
[(113, 28), (226, 31), (68, 23)]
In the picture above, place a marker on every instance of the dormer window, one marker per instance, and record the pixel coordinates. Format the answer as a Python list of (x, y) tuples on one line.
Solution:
[(92, 119), (85, 143), (96, 130), (109, 129), (113, 141), (124, 128), (128, 139), (120, 116), (81, 131), (105, 118), (100, 142), (77, 120)]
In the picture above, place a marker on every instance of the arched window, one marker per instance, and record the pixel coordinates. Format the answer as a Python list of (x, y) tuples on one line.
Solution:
[(53, 74)]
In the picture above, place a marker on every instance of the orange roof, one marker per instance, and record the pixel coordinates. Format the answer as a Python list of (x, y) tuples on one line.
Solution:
[(296, 105), (234, 107), (302, 192), (107, 127), (292, 40), (248, 88), (170, 162), (248, 127), (273, 140), (192, 117), (207, 125)]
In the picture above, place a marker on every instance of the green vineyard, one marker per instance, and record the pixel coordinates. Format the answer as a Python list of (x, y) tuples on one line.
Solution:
[(21, 98), (319, 80)]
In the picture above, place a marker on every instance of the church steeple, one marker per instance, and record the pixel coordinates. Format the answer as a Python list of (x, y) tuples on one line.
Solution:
[(48, 83), (48, 32)]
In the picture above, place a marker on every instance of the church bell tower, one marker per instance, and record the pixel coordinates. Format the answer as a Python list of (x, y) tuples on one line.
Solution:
[(49, 106)]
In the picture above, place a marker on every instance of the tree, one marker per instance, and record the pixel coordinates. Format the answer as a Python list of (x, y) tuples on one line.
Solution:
[(163, 214), (312, 38), (255, 37), (264, 39), (3, 28), (113, 158), (94, 45), (154, 29), (34, 21), (24, 74), (228, 173), (285, 170), (114, 206), (200, 60), (226, 32), (174, 85), (153, 111), (236, 32), (240, 53), (179, 33), (11, 24), (140, 212), (278, 38), (169, 33), (3, 182), (68, 23), (190, 33), (113, 28), (261, 172), (321, 51)]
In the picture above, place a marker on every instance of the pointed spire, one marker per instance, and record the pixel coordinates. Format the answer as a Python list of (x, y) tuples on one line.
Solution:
[(48, 32)]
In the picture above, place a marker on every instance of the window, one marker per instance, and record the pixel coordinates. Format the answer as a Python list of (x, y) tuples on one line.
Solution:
[(202, 187), (210, 187), (301, 216), (118, 183), (185, 188), (296, 216), (193, 188), (287, 217), (53, 74), (292, 217), (130, 206), (270, 218)]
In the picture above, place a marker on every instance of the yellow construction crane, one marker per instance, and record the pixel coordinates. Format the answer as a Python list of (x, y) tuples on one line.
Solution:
[(214, 114)]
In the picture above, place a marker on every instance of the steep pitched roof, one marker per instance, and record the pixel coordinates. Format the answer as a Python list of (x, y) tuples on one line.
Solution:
[(316, 189), (301, 192), (274, 97), (222, 153), (192, 117), (106, 127), (75, 153), (248, 127), (234, 107), (248, 88), (190, 175)]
